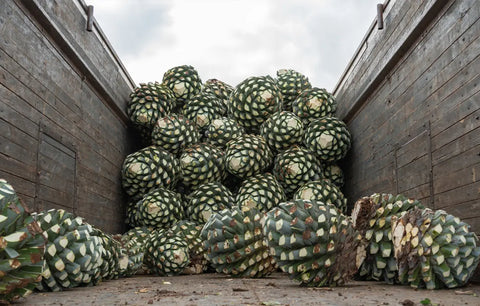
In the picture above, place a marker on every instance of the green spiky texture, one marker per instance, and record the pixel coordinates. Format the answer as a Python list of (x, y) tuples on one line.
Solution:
[(208, 199), (21, 247), (291, 83), (253, 101), (261, 191), (235, 244), (324, 191), (130, 257), (334, 173), (314, 103), (174, 133), (184, 81), (313, 242), (148, 103), (282, 130), (434, 249), (247, 155), (190, 232), (139, 233), (134, 242), (328, 138), (147, 169), (73, 254), (160, 208), (222, 130), (295, 167), (203, 108), (131, 211), (372, 216), (166, 254), (219, 89), (202, 163), (111, 255)]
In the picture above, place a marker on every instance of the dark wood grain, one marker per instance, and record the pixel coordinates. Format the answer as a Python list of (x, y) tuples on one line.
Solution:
[(417, 131), (63, 95)]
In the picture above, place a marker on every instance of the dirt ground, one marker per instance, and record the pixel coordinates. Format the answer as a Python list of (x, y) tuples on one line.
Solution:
[(219, 289)]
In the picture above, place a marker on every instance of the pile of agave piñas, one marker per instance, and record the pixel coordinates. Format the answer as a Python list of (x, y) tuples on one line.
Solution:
[(242, 180), (217, 158), (249, 174)]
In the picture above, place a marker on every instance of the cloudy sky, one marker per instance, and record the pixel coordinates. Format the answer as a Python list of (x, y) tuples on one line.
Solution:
[(231, 40)]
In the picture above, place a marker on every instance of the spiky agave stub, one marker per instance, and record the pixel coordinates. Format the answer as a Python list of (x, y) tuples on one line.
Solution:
[(203, 108), (434, 249), (372, 217), (334, 173), (149, 102), (202, 163), (112, 256), (174, 133), (282, 130), (314, 103), (219, 89), (184, 81), (73, 255), (222, 130), (160, 208), (147, 169), (134, 242), (190, 232), (208, 199), (253, 101), (328, 138), (130, 256), (166, 253), (295, 167), (291, 83), (247, 155), (261, 191), (21, 247), (313, 242), (235, 243), (322, 190)]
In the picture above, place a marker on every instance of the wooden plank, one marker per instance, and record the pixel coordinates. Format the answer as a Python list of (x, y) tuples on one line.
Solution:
[(465, 211), (43, 205), (415, 148), (405, 40), (19, 183), (75, 55), (18, 113), (16, 167), (457, 178), (94, 108), (456, 196), (457, 171), (420, 193), (463, 143), (384, 134), (413, 71), (60, 197), (17, 141), (462, 118), (400, 15), (414, 174), (103, 184)]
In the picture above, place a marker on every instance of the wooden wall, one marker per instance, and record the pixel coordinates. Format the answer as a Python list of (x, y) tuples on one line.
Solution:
[(411, 98), (63, 125)]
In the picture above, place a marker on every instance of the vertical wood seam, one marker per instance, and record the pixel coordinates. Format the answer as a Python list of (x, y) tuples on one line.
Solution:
[(430, 164)]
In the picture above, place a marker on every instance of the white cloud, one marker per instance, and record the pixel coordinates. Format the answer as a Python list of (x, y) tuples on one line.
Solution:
[(231, 40)]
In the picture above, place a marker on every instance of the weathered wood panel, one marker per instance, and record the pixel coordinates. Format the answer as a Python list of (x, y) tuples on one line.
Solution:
[(63, 94), (414, 100)]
